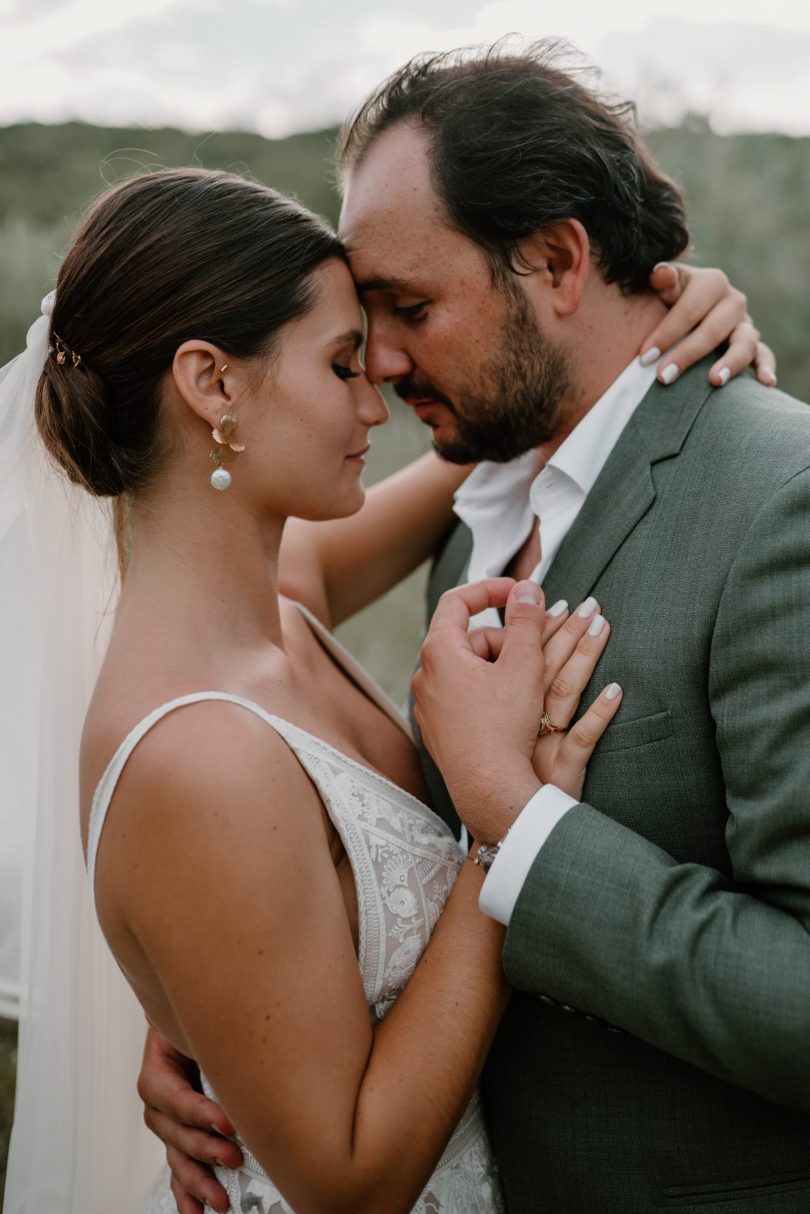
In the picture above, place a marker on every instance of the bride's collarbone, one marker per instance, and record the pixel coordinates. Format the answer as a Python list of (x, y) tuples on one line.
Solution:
[(352, 725), (301, 683), (334, 707)]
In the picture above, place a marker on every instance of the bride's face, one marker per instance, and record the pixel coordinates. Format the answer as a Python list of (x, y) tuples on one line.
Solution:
[(318, 406)]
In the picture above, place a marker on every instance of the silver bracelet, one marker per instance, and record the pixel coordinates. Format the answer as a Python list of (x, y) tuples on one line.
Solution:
[(485, 856)]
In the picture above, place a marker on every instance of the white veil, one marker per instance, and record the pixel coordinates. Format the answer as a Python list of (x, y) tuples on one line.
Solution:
[(78, 1145)]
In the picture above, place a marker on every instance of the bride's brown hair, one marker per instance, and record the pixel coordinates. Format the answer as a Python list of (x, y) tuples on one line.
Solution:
[(157, 260)]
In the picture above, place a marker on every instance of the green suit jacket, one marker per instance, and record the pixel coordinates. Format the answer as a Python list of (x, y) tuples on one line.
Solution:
[(657, 1054)]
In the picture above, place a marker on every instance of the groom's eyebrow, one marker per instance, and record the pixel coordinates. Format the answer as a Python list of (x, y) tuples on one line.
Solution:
[(377, 283)]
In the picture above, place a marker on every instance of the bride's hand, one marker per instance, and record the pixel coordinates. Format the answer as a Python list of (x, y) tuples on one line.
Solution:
[(479, 699), (705, 310), (571, 652)]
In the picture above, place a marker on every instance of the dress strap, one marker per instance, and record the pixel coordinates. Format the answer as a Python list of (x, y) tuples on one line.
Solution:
[(109, 781), (349, 664)]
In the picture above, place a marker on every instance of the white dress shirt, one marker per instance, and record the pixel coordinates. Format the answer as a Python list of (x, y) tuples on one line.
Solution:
[(500, 503)]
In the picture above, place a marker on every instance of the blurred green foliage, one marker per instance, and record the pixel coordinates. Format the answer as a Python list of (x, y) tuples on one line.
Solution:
[(747, 194), (48, 174), (748, 199)]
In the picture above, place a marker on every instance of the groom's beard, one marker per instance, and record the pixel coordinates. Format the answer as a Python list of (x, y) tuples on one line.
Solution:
[(516, 402)]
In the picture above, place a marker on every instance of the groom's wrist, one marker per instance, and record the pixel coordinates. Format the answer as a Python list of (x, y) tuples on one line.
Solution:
[(491, 808), (519, 850)]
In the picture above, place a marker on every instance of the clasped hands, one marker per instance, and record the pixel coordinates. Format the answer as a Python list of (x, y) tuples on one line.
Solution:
[(483, 698)]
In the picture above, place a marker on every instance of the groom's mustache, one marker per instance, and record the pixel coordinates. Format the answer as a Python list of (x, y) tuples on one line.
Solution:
[(411, 390)]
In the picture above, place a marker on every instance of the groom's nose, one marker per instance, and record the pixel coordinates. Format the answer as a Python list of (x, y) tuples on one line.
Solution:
[(386, 360)]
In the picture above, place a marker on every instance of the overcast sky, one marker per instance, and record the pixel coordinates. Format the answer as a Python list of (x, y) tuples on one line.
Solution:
[(278, 66)]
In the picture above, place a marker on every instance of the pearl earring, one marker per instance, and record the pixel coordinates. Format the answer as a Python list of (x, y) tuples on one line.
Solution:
[(225, 452), (221, 479)]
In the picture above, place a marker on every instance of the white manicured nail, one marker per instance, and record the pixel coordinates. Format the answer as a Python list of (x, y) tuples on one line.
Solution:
[(771, 378), (659, 264), (613, 692), (669, 374), (597, 624), (650, 356), (724, 375), (559, 607), (586, 610)]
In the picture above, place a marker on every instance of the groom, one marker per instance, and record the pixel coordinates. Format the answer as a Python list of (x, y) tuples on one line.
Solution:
[(501, 223)]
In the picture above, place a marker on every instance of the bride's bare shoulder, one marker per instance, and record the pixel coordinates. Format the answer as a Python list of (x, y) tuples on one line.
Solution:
[(211, 795), (213, 824), (209, 753), (121, 700)]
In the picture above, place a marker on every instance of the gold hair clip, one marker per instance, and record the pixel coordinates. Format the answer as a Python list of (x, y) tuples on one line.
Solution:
[(62, 351)]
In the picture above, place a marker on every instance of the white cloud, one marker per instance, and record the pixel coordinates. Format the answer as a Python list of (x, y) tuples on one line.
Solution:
[(70, 23), (284, 65), (743, 76)]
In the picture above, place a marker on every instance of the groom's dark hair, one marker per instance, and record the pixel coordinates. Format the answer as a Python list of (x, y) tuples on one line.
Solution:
[(518, 144)]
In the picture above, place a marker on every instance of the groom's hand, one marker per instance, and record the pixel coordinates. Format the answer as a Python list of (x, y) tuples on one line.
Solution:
[(480, 717), (193, 1128), (488, 699)]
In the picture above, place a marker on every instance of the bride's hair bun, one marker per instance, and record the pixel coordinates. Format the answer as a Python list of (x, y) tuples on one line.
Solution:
[(71, 416), (158, 260)]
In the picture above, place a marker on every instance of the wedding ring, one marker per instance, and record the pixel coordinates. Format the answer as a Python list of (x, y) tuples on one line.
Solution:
[(546, 726)]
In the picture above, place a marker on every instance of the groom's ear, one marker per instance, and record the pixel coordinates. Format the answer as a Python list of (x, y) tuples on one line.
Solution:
[(202, 380), (559, 258)]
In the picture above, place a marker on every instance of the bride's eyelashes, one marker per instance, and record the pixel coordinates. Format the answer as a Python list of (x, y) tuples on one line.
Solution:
[(345, 372)]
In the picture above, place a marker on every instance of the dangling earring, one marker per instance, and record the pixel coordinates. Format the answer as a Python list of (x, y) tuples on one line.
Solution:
[(226, 449), (225, 452)]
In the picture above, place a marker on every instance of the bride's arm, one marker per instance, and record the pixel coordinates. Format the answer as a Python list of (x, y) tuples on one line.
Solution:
[(338, 567), (438, 1029), (246, 935)]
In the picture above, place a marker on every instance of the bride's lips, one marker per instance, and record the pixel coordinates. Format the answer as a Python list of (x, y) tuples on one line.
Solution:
[(357, 456)]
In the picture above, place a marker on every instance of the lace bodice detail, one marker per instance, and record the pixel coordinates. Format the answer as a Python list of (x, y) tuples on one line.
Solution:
[(403, 858), (404, 861)]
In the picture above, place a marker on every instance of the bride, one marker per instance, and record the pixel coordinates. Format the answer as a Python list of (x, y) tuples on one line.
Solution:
[(265, 868)]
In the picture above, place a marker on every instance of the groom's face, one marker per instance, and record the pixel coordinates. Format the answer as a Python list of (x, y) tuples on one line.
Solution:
[(465, 353)]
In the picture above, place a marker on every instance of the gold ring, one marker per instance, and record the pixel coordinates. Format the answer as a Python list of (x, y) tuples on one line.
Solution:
[(546, 726)]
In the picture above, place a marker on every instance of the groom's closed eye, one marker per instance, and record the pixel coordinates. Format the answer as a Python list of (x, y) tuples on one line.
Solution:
[(412, 312)]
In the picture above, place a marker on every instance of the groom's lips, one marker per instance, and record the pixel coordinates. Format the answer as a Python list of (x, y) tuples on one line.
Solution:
[(423, 405)]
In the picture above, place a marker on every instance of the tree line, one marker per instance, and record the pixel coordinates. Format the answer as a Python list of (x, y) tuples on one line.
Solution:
[(747, 196)]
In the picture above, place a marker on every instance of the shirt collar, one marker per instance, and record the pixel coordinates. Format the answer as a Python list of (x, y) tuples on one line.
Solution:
[(495, 501), (584, 453)]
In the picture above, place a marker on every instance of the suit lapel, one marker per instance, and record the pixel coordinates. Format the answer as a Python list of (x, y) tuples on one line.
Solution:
[(625, 489)]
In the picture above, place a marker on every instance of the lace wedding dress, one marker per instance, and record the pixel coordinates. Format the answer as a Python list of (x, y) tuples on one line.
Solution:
[(405, 861)]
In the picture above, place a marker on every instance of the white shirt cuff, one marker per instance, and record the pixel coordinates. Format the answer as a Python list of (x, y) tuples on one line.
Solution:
[(520, 849)]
